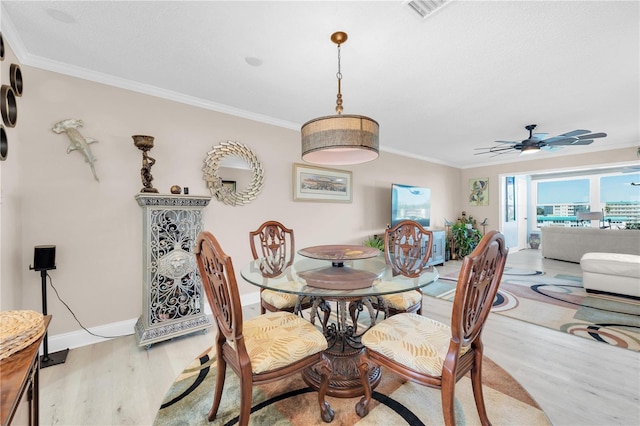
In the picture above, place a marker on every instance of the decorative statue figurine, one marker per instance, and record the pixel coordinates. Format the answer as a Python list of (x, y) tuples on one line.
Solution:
[(144, 144), (78, 142)]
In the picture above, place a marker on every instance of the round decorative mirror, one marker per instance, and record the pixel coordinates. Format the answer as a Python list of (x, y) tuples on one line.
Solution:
[(233, 173)]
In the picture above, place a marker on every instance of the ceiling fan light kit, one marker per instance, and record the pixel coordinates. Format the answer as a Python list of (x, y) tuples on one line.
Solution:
[(540, 141), (340, 139), (528, 150)]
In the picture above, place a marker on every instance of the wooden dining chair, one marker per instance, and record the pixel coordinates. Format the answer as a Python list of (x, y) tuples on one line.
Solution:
[(431, 353), (275, 243), (260, 350), (407, 249)]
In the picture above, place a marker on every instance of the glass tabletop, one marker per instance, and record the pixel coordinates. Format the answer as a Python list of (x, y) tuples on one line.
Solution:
[(296, 278)]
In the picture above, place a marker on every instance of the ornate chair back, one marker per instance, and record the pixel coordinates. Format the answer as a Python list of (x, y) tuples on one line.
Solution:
[(408, 248), (276, 244), (477, 286), (220, 286)]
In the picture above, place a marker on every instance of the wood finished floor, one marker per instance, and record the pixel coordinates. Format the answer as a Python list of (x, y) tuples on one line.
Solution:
[(575, 381)]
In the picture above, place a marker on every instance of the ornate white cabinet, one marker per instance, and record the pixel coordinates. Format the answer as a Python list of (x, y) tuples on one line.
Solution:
[(173, 300)]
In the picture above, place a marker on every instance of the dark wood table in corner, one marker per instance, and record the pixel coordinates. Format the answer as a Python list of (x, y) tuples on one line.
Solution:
[(342, 333), (19, 375)]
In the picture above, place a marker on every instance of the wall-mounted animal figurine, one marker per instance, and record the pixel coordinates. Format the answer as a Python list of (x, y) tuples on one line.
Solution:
[(78, 142)]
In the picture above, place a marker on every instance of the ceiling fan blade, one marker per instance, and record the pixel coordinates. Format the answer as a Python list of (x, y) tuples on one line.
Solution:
[(576, 133), (570, 142), (560, 140), (507, 151), (583, 142), (593, 136), (502, 148), (539, 136), (496, 150)]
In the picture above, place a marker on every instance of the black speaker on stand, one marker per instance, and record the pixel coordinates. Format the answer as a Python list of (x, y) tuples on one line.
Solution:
[(44, 259)]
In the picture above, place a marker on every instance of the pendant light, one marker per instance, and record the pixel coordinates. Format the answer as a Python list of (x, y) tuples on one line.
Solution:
[(340, 139)]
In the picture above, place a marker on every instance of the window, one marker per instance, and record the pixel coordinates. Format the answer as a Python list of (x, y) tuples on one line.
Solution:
[(559, 201), (620, 199)]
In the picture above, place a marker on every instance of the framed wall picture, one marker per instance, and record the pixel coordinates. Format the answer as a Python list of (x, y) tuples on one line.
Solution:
[(230, 185), (479, 192), (312, 183), (510, 199)]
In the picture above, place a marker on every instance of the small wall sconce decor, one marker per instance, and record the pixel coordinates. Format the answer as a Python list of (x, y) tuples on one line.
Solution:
[(15, 78), (4, 144), (8, 106)]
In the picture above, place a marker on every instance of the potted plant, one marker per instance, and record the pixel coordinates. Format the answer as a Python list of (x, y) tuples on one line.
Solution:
[(464, 240), (376, 242)]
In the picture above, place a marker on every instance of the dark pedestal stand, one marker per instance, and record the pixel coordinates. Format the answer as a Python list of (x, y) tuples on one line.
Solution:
[(47, 359)]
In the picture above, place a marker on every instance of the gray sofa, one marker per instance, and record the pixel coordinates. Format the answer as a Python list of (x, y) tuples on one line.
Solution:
[(570, 244)]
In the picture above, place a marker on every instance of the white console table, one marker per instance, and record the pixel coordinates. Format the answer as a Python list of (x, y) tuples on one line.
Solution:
[(173, 301)]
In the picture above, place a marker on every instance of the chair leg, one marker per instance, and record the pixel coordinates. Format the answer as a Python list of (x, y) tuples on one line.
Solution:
[(246, 386), (448, 397), (362, 407), (476, 383), (325, 371), (221, 369)]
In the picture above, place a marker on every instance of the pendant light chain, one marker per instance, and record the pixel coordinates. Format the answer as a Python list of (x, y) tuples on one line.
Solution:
[(339, 77)]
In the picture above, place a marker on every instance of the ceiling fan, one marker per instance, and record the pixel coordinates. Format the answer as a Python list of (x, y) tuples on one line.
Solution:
[(541, 141)]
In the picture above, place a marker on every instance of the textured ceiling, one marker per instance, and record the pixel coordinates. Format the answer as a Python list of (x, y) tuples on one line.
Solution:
[(472, 73)]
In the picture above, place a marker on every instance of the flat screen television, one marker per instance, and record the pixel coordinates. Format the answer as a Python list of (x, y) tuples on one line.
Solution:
[(410, 203)]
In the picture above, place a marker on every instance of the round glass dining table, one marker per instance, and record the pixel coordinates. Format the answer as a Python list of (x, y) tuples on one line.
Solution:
[(352, 286)]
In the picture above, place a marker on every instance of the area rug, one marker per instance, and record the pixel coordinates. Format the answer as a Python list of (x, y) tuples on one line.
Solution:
[(560, 303), (291, 402)]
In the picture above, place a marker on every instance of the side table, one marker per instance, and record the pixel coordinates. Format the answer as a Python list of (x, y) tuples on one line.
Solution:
[(19, 383)]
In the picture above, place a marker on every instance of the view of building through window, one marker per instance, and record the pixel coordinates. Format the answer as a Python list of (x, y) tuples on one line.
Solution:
[(611, 200)]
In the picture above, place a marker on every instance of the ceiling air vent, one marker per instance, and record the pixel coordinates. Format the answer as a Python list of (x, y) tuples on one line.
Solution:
[(425, 8)]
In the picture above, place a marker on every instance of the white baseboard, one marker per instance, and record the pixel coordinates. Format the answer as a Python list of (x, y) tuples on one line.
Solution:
[(79, 338)]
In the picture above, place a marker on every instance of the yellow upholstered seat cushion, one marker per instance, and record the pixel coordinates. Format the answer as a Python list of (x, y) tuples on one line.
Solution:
[(403, 301), (277, 339), (417, 342), (280, 300)]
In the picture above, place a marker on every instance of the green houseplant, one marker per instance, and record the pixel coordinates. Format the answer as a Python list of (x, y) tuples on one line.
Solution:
[(376, 242), (464, 239)]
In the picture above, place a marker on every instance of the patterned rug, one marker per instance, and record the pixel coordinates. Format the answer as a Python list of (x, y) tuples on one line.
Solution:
[(291, 402), (560, 303)]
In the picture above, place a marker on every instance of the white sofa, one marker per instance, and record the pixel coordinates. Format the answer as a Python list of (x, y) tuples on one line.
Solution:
[(570, 244), (611, 273)]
